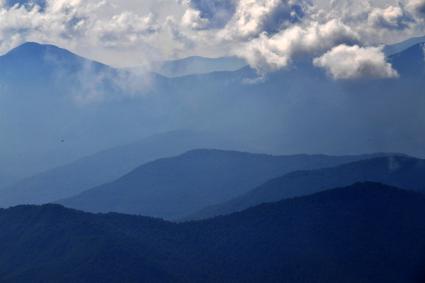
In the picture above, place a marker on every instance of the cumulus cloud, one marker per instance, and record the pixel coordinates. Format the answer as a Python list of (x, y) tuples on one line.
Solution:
[(269, 34), (192, 18), (212, 13), (270, 53), (355, 62), (253, 17), (418, 7), (28, 3), (391, 17)]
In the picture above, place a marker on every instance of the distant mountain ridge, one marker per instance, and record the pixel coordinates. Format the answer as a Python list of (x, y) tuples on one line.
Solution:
[(38, 63), (197, 65), (106, 166), (179, 186), (354, 234), (400, 171)]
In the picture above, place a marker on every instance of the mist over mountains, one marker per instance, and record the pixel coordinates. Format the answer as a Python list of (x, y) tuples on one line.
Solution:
[(212, 141), (177, 187), (400, 171), (97, 107), (106, 166)]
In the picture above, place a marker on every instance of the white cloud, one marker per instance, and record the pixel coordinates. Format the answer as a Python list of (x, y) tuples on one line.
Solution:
[(212, 13), (270, 34), (252, 17), (126, 28), (192, 18), (355, 62), (272, 53), (391, 17)]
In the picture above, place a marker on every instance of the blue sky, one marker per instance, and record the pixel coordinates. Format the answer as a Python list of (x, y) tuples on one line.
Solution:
[(269, 34)]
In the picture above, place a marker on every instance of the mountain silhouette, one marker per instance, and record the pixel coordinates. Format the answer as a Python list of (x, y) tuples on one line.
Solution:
[(400, 171), (367, 232), (105, 166), (178, 186)]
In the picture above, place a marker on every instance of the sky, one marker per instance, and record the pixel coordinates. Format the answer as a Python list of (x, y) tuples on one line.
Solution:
[(269, 34)]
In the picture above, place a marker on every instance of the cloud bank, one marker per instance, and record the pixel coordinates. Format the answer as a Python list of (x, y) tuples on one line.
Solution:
[(269, 34)]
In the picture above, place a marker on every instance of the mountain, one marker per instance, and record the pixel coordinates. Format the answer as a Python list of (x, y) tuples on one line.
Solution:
[(178, 186), (196, 65), (44, 123), (106, 166), (20, 63), (402, 46), (400, 171), (407, 62), (364, 233)]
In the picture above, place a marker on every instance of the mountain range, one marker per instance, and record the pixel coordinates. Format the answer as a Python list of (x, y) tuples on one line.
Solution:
[(400, 171), (278, 113), (179, 186), (367, 232), (104, 167)]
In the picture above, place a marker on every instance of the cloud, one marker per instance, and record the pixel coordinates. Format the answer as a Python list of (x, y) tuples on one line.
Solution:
[(28, 3), (423, 50), (269, 34), (355, 62), (418, 7), (126, 28), (193, 19), (212, 13), (270, 53), (391, 17), (252, 17)]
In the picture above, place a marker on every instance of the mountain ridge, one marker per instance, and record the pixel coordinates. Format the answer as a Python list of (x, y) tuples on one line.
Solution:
[(173, 187), (306, 239), (401, 171)]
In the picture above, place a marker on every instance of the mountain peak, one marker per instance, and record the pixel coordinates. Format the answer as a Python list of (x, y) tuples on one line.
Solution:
[(34, 48)]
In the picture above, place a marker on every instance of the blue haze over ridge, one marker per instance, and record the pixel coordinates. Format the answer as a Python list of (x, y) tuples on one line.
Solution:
[(400, 171), (176, 187), (70, 107)]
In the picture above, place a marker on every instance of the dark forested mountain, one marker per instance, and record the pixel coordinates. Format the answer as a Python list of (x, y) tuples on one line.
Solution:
[(178, 186), (404, 172), (364, 233), (106, 166)]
